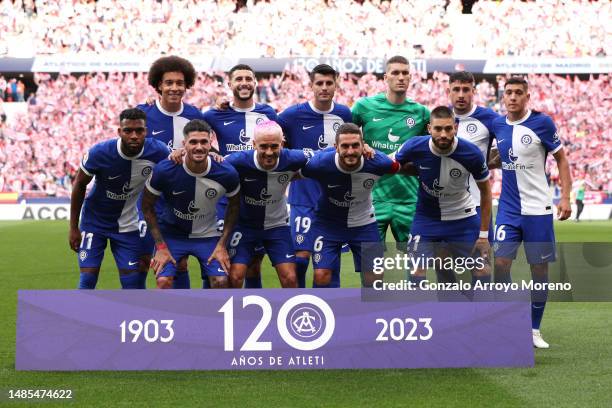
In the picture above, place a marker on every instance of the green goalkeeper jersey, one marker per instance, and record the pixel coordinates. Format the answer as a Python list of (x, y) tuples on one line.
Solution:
[(386, 126)]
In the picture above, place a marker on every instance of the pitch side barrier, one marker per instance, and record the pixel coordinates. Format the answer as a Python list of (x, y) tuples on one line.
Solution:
[(111, 62)]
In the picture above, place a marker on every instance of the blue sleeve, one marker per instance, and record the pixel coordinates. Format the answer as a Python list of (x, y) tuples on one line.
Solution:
[(310, 169), (271, 114), (300, 157), (476, 164), (489, 124), (548, 136), (155, 184), (283, 121), (91, 161), (161, 150), (231, 182), (384, 165), (347, 116), (404, 153), (233, 159)]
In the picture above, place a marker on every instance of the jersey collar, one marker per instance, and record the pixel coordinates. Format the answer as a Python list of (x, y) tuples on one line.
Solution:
[(123, 156), (432, 148), (191, 173), (521, 120), (261, 168), (337, 161), (165, 112), (320, 111), (252, 108), (465, 115)]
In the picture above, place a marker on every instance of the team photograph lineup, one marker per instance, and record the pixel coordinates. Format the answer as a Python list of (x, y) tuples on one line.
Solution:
[(306, 203), (178, 182)]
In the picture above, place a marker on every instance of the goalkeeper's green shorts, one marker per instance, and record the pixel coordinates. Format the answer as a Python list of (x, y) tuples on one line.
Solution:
[(398, 216)]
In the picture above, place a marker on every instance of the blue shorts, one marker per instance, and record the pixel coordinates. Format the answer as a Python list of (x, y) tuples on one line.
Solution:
[(364, 242), (125, 246), (536, 231), (459, 236), (201, 248), (221, 206), (491, 236), (276, 243), (301, 219)]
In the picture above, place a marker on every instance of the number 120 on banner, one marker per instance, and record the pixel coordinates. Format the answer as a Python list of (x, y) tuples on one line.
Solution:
[(264, 329)]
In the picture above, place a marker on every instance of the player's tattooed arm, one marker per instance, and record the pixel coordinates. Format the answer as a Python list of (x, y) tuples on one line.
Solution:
[(564, 209), (494, 159), (76, 203), (162, 254), (230, 217)]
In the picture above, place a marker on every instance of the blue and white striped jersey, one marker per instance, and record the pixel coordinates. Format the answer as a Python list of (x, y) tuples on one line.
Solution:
[(306, 127), (444, 179), (167, 126), (235, 127), (190, 199), (346, 197), (110, 205), (477, 127), (523, 146), (263, 204)]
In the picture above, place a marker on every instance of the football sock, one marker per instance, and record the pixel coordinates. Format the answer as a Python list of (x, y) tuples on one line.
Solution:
[(301, 266), (335, 278), (142, 280), (88, 280), (538, 302), (181, 280), (130, 280), (253, 283)]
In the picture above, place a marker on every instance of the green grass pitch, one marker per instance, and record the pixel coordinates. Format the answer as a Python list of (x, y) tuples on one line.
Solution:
[(575, 371)]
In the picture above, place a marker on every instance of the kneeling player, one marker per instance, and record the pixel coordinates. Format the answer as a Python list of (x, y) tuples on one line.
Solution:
[(445, 212), (264, 176), (189, 222), (344, 210), (121, 167)]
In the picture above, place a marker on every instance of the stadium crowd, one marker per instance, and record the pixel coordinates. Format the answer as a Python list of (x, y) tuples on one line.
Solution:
[(68, 114), (317, 27)]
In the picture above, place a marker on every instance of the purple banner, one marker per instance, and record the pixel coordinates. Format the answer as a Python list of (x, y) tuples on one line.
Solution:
[(263, 329)]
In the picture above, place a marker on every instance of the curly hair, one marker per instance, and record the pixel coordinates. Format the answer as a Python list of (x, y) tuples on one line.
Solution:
[(171, 64)]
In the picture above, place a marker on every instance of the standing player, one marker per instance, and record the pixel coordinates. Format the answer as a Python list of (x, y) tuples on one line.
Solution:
[(121, 167), (311, 125), (445, 209), (234, 128), (344, 211), (475, 123), (388, 120), (264, 176), (525, 213), (188, 223), (171, 77)]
